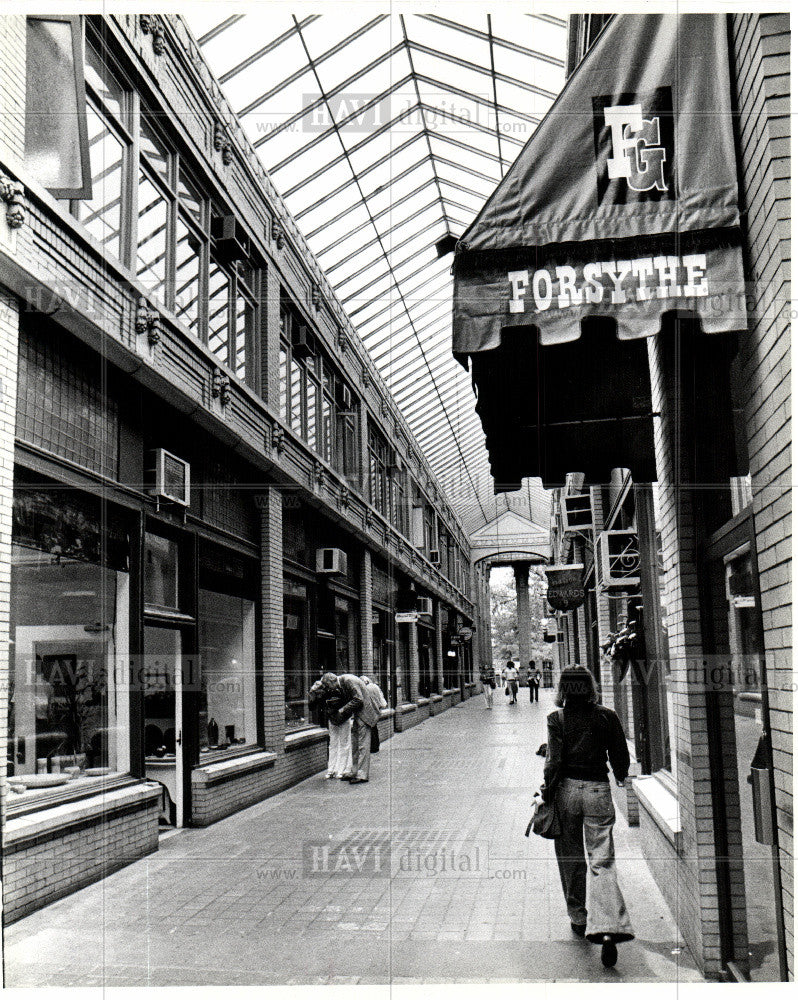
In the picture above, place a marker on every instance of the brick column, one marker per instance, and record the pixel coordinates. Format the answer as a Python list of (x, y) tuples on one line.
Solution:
[(521, 570), (692, 888), (271, 567), (363, 443), (9, 336), (438, 646), (366, 612), (270, 337), (412, 652)]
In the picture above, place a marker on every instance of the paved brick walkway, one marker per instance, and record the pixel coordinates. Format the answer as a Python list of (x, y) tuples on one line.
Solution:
[(422, 875)]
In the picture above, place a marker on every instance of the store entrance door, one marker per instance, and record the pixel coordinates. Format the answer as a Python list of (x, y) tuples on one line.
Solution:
[(750, 803), (163, 719)]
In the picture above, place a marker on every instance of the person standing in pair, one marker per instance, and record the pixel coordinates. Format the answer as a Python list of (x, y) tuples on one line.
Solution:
[(339, 757), (582, 736), (361, 708)]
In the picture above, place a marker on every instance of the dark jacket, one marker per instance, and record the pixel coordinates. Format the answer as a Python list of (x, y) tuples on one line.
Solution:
[(350, 689), (592, 734)]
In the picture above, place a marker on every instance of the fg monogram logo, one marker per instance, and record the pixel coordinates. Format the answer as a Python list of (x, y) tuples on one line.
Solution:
[(634, 147), (636, 152)]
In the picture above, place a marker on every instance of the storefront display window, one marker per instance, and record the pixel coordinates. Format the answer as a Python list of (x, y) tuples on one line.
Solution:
[(70, 602), (295, 645), (160, 571), (227, 671)]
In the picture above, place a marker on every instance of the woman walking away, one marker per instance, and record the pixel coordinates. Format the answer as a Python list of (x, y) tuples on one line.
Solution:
[(487, 677), (582, 735)]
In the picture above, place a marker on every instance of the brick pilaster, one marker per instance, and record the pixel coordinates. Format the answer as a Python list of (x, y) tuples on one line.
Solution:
[(271, 566), (366, 612), (9, 336), (439, 646), (412, 652)]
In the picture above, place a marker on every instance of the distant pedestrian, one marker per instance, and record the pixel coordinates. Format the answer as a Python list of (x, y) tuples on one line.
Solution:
[(487, 677), (362, 710), (511, 680), (535, 678), (582, 735), (339, 755)]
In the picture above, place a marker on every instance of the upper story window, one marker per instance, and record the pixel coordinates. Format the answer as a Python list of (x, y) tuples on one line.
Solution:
[(143, 204), (56, 142), (231, 312), (109, 117), (315, 401), (381, 460), (156, 200)]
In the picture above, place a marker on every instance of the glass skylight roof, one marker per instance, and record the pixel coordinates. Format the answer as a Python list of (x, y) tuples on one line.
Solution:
[(384, 133)]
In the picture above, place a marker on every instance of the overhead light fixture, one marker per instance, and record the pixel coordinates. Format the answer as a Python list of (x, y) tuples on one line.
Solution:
[(446, 244)]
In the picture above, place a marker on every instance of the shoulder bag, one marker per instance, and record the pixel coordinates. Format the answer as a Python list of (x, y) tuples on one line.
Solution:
[(546, 821)]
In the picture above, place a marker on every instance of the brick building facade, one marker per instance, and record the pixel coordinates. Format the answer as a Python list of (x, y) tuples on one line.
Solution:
[(692, 645), (208, 494)]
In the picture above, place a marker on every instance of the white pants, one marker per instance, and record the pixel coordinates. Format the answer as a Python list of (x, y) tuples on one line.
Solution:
[(340, 755)]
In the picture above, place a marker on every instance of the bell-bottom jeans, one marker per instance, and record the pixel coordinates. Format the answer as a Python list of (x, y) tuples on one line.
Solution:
[(587, 814)]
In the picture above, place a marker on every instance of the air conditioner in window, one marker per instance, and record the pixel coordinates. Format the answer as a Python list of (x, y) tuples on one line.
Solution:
[(576, 511), (171, 477), (618, 559), (435, 557), (424, 605), (302, 341), (230, 238), (330, 561)]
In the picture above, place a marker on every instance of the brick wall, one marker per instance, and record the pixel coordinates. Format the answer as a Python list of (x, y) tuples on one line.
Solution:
[(38, 870), (761, 67), (12, 145), (696, 890), (271, 567)]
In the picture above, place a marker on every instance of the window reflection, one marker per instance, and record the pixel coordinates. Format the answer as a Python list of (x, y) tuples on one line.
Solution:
[(227, 671), (160, 571), (68, 699), (151, 252), (102, 214)]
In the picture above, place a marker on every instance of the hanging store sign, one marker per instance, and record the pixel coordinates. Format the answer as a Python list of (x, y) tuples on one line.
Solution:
[(406, 617), (566, 590), (620, 213)]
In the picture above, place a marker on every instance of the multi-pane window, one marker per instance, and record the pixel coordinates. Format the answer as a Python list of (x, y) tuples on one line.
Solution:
[(190, 254), (380, 462), (231, 313), (109, 115), (314, 400), (148, 212)]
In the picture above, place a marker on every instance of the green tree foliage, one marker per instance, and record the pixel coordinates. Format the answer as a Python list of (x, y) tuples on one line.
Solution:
[(504, 615)]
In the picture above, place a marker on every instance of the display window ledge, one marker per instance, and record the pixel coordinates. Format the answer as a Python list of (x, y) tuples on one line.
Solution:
[(451, 690), (404, 709), (222, 770), (47, 823), (387, 713), (303, 737), (661, 805), (35, 799), (221, 756), (422, 701), (436, 697)]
